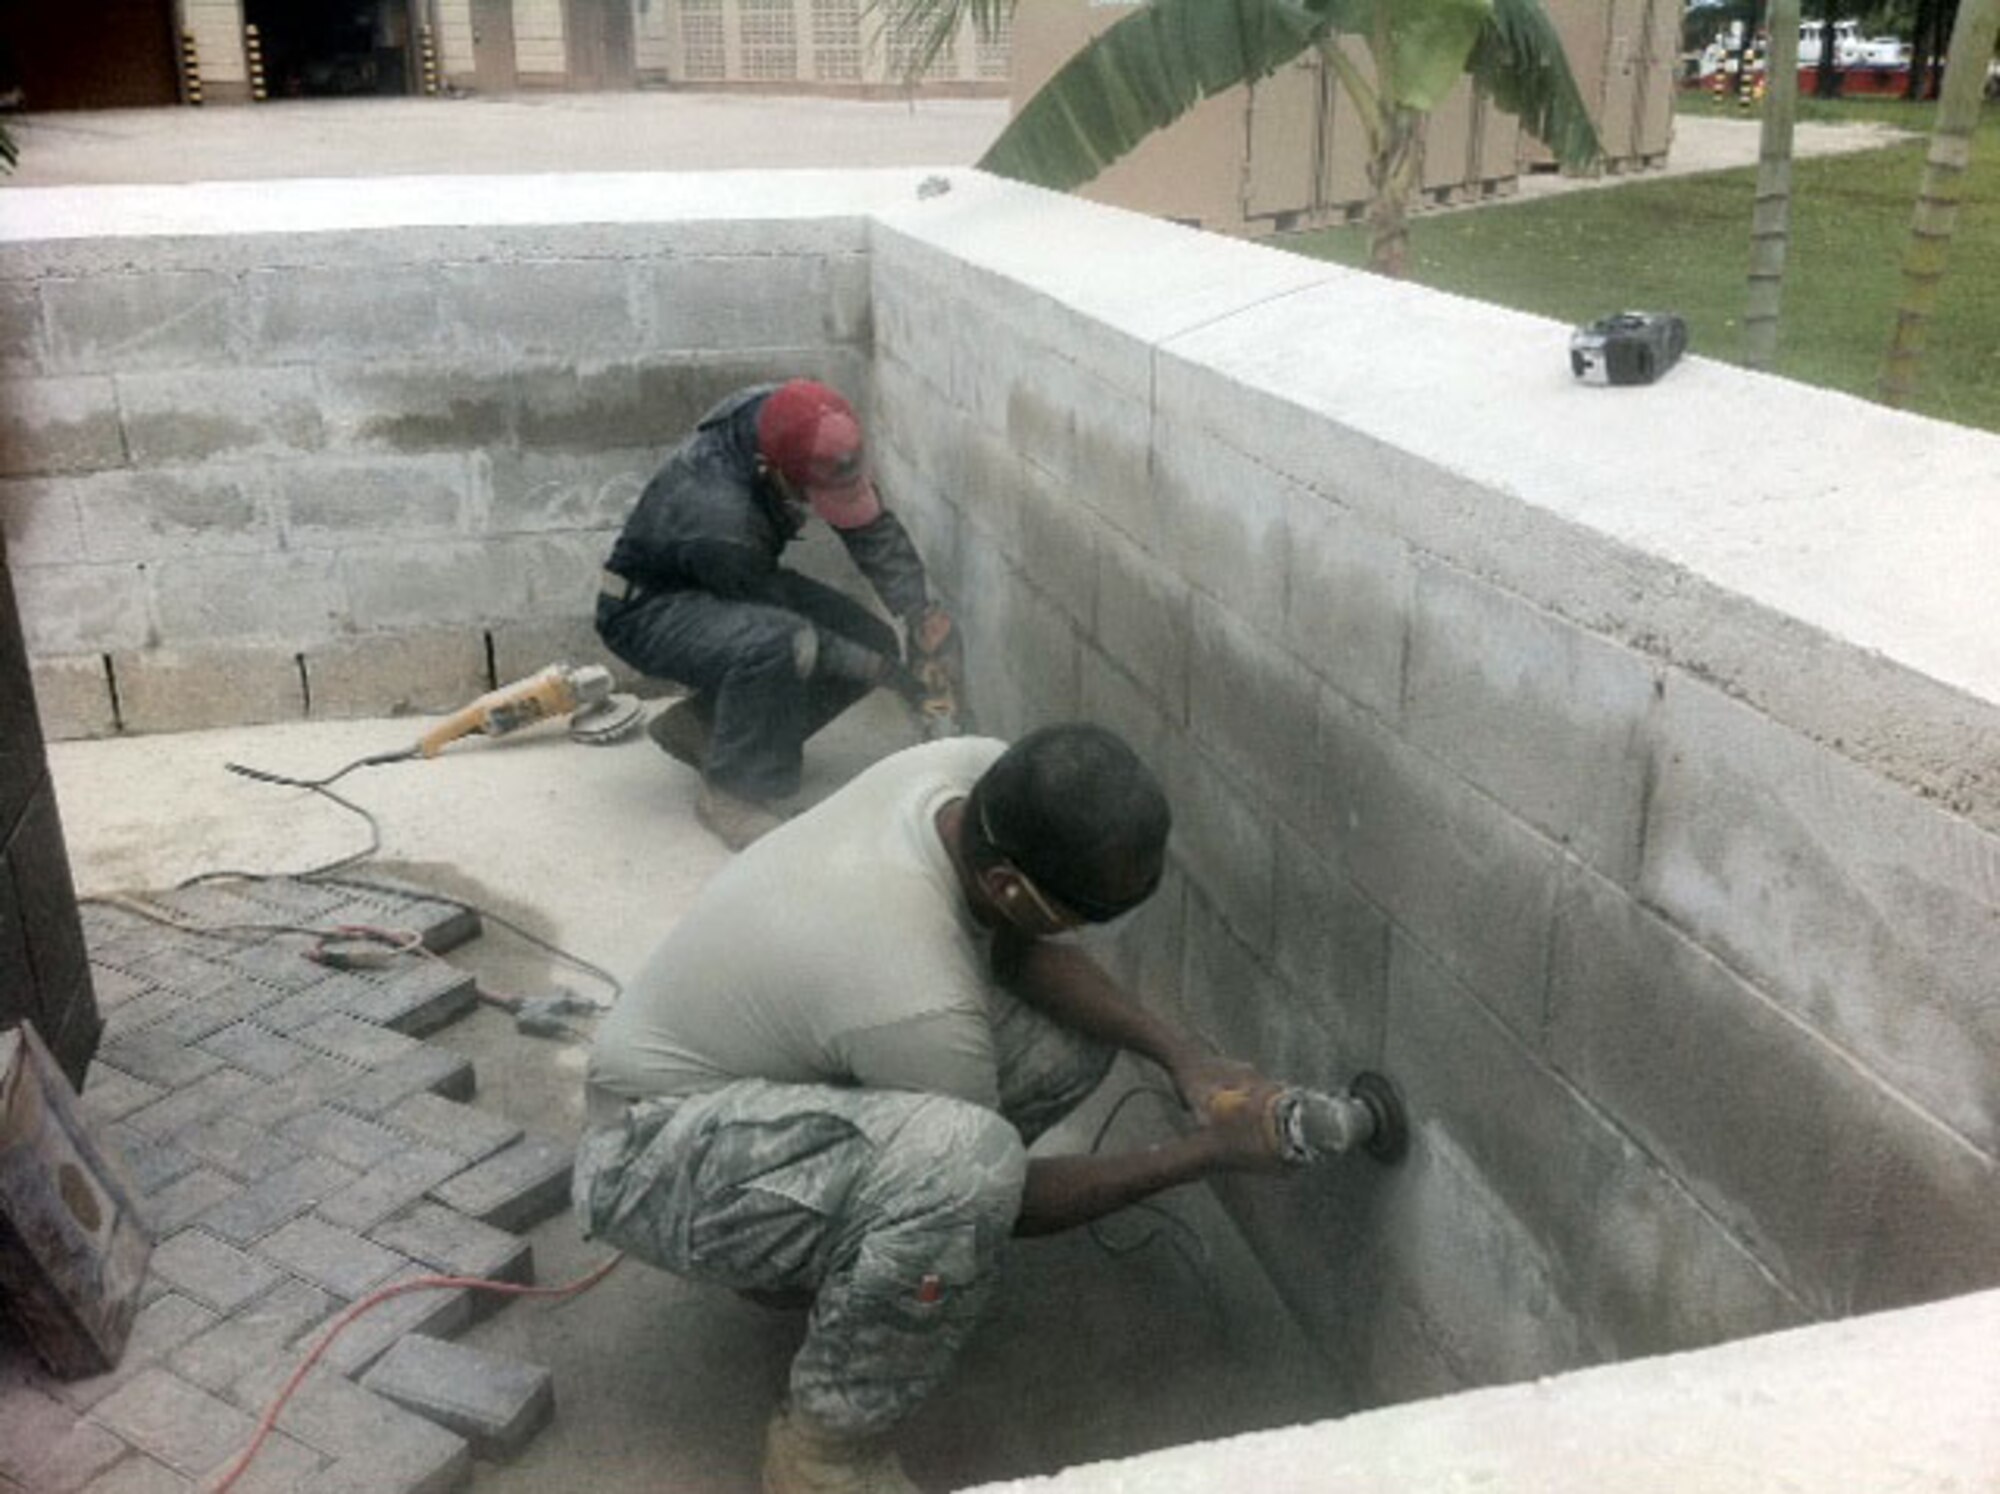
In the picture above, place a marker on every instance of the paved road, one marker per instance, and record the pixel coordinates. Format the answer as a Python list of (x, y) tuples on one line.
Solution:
[(651, 131)]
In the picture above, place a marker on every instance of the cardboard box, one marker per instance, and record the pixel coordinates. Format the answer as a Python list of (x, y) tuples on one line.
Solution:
[(73, 1249)]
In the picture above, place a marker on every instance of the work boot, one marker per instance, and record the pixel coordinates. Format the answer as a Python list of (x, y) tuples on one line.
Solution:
[(733, 821), (800, 1458), (682, 731)]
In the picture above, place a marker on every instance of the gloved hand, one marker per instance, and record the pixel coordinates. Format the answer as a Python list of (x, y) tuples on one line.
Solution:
[(937, 662)]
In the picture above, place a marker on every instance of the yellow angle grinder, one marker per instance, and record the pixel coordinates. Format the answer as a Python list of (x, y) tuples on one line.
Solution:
[(597, 714)]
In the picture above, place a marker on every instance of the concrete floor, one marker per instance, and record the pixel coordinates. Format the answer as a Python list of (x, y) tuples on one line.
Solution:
[(663, 1384)]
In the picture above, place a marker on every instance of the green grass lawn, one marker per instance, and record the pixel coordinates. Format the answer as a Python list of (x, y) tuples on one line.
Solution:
[(1683, 244)]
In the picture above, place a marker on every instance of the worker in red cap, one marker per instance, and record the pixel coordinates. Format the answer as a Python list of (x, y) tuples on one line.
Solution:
[(693, 592)]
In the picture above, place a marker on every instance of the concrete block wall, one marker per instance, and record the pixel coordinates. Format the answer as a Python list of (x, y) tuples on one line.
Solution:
[(1641, 825), (259, 476)]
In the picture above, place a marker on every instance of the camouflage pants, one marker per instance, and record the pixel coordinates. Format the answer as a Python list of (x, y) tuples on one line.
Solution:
[(892, 1209)]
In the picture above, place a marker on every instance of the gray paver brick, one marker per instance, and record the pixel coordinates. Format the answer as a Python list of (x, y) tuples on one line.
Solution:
[(115, 987), (443, 1312), (244, 1151), (186, 1199), (294, 1013), (44, 1447), (343, 1136), (452, 1126), (280, 964), (378, 1446), (282, 1466), (327, 1255), (110, 1095), (227, 1003), (151, 1162), (146, 1011), (495, 1403), (180, 1424), (427, 1070), (252, 1338), (157, 1058), (390, 1186), (160, 1325), (447, 1241), (305, 1088), (274, 1201), (224, 1089), (514, 1189), (169, 962), (211, 1271), (256, 1049), (419, 997), (140, 1475), (343, 1036)]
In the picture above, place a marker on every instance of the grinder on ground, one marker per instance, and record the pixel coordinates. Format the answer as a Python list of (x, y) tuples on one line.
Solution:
[(581, 692)]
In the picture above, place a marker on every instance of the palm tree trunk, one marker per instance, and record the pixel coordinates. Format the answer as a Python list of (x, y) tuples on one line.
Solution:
[(1770, 222), (1936, 215), (1392, 180)]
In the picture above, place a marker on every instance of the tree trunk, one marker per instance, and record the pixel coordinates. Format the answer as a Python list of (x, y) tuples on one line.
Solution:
[(1392, 181), (1936, 215), (1770, 222)]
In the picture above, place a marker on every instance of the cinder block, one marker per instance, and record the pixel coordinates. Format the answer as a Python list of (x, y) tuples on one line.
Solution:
[(1648, 1267), (1778, 1133), (497, 1404), (180, 1424), (206, 510), (199, 414), (1059, 539), (276, 1199), (433, 584), (1348, 600), (1473, 884), (40, 522), (23, 348), (1225, 844), (390, 1186), (395, 674), (331, 1257), (449, 1126), (376, 1446), (59, 425), (582, 308), (1550, 721), (731, 303), (330, 502), (1143, 622), (83, 609), (1221, 520), (602, 407), (221, 600), (108, 323), (514, 1189), (524, 646), (1863, 910), (1239, 1003), (326, 314), (1255, 710), (1332, 948), (73, 697), (416, 407), (536, 491), (211, 1271), (191, 689)]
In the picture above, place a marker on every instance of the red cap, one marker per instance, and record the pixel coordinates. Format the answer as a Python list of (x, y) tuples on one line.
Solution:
[(812, 439)]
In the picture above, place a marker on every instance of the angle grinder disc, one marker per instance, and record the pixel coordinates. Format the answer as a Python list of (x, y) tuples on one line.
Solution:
[(611, 719), (1391, 1140)]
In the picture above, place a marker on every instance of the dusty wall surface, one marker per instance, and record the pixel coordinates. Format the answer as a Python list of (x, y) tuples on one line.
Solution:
[(1642, 826), (253, 478)]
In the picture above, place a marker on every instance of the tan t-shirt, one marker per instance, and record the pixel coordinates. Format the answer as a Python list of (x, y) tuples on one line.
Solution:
[(836, 950)]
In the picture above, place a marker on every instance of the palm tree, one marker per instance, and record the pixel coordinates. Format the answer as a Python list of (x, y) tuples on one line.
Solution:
[(1973, 38), (1143, 72), (1770, 222)]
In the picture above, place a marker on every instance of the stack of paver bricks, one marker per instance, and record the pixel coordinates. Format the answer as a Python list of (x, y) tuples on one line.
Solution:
[(298, 1148)]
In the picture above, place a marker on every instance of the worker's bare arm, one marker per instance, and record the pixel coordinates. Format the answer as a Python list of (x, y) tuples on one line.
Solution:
[(1063, 1192), (1063, 981)]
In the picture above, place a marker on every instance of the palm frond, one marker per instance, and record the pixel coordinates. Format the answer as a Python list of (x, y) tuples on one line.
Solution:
[(1519, 61), (1140, 75)]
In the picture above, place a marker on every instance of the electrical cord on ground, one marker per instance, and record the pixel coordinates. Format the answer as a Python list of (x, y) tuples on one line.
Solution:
[(269, 1420)]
